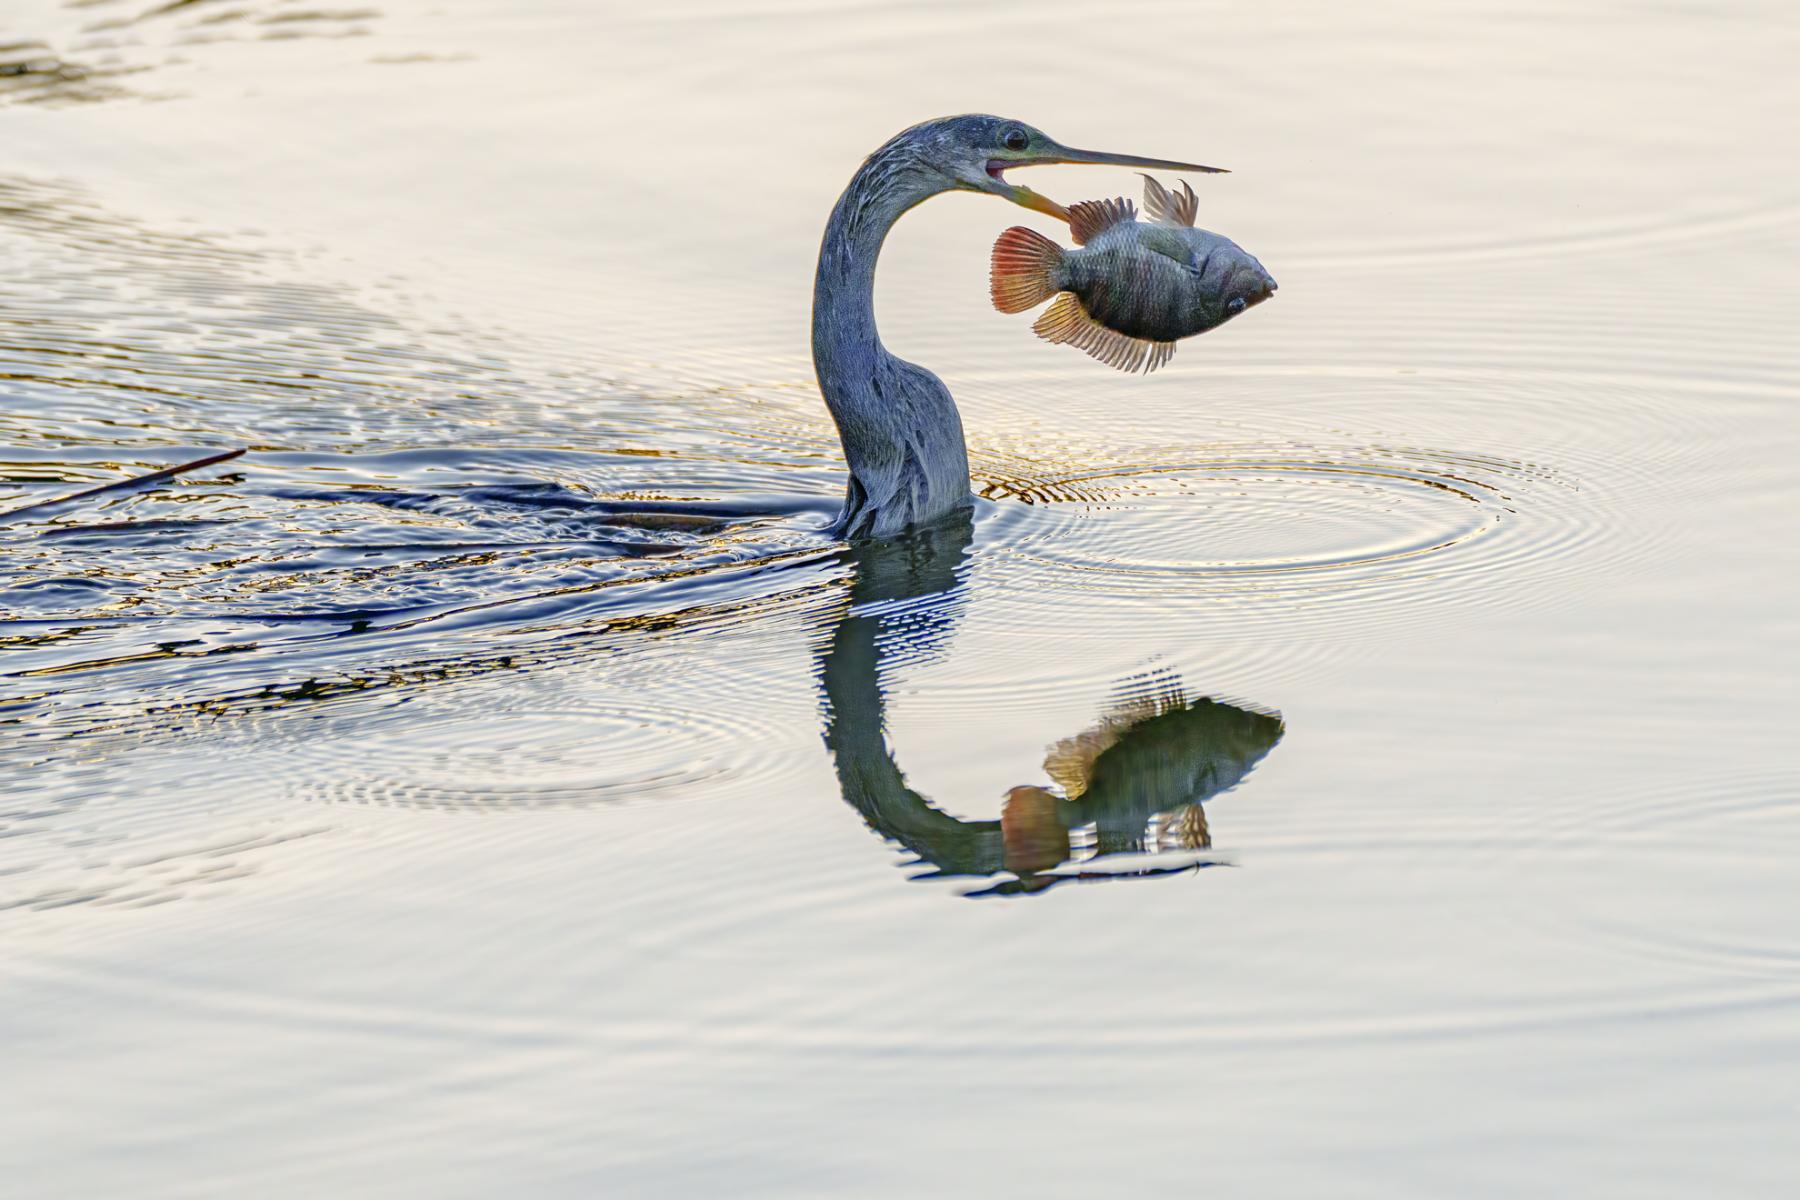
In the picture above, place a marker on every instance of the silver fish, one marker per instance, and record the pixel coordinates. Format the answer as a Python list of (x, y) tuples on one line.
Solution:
[(1133, 288)]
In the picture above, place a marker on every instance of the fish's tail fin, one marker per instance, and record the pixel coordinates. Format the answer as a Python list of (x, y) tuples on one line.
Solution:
[(1027, 270)]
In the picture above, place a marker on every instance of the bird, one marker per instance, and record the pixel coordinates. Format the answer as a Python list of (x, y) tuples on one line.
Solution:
[(901, 432)]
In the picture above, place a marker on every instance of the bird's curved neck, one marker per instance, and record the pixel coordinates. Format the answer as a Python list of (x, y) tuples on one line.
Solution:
[(880, 192), (901, 433)]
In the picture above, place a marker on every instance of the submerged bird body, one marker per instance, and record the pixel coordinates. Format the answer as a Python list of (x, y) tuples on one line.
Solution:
[(1131, 289)]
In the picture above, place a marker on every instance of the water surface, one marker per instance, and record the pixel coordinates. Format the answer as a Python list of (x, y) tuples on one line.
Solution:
[(1355, 759)]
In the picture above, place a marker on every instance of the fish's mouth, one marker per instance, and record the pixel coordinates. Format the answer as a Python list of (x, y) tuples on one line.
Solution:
[(1265, 287)]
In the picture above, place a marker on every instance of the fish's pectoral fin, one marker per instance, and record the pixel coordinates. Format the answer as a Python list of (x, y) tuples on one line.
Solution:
[(1067, 323), (1024, 269), (1090, 218), (1163, 206)]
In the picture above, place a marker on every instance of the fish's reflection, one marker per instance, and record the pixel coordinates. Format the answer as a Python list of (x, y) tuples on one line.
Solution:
[(1133, 784)]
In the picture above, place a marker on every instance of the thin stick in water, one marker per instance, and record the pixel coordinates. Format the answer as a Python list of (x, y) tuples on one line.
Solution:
[(123, 484)]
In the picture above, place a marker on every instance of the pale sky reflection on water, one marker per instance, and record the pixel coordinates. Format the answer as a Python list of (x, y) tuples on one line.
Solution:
[(384, 818)]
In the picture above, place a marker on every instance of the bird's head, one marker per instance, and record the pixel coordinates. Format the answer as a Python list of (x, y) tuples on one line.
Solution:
[(974, 152)]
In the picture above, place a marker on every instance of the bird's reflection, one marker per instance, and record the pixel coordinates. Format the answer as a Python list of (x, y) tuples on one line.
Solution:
[(1133, 784)]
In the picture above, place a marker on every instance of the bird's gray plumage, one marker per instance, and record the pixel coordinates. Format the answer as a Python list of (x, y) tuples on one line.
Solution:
[(901, 432)]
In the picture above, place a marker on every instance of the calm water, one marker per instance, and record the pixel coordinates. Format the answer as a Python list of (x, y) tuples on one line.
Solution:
[(1391, 701)]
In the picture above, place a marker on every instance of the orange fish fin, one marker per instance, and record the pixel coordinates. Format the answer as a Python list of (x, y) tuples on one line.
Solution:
[(1024, 271), (1090, 218), (1169, 209), (1066, 322)]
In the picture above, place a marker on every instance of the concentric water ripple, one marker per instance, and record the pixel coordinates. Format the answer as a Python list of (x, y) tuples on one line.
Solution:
[(634, 749), (1307, 528)]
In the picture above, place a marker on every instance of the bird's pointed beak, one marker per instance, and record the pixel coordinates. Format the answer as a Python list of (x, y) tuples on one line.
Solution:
[(1102, 158), (1027, 198)]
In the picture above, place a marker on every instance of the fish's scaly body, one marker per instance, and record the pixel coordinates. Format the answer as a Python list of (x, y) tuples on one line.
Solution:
[(1130, 289)]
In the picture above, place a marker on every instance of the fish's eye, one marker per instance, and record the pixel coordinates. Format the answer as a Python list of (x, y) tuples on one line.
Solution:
[(1016, 139), (1236, 305)]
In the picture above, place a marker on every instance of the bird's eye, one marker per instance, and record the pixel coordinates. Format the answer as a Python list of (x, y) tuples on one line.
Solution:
[(1016, 139)]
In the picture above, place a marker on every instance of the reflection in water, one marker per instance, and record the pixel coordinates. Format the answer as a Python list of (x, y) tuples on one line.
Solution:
[(31, 72), (132, 40), (1133, 784)]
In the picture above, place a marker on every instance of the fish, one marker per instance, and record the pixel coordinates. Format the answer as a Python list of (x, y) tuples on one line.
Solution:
[(1132, 288)]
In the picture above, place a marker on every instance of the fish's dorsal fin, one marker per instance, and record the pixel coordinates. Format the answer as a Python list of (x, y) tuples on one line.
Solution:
[(1066, 321), (1091, 218), (1161, 205)]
